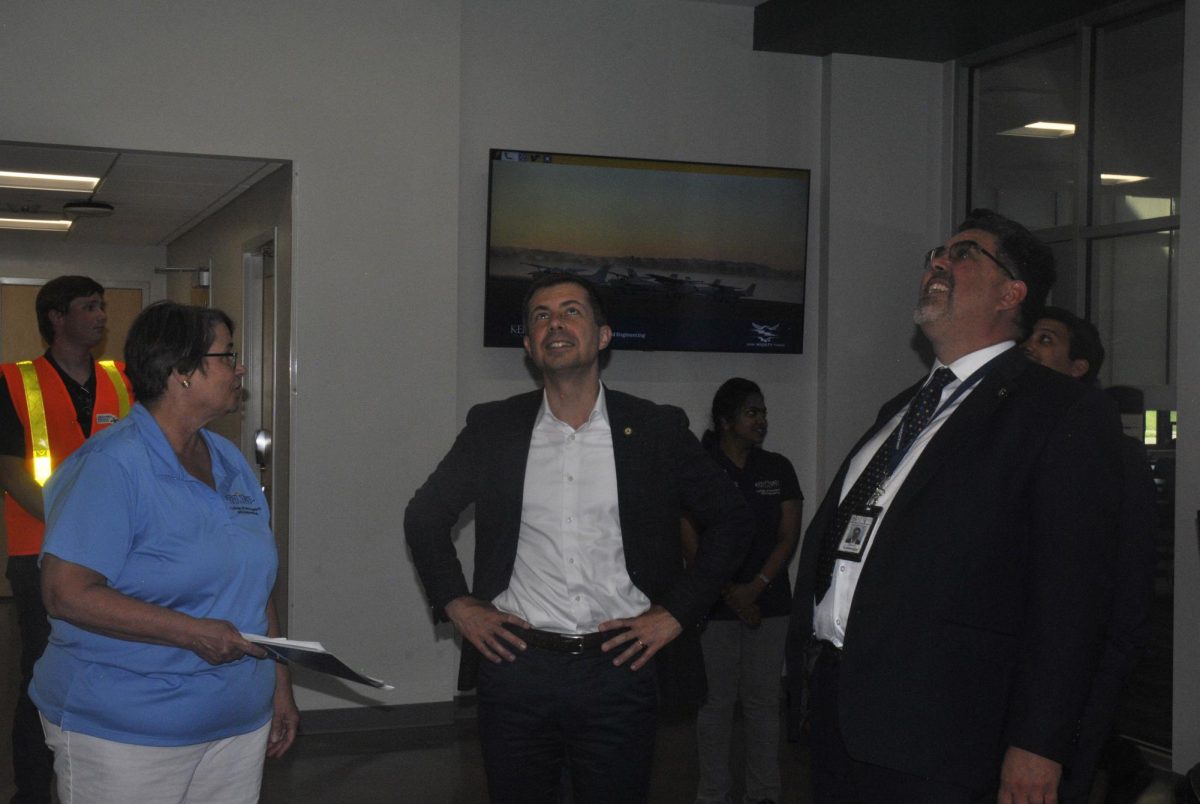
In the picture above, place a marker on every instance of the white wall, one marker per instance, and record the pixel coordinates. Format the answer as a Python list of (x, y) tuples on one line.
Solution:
[(34, 256), (885, 150)]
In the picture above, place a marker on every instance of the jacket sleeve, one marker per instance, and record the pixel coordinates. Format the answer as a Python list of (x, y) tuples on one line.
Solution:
[(432, 513), (725, 524), (1077, 487)]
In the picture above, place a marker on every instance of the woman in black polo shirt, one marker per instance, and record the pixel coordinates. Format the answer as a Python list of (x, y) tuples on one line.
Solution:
[(744, 638)]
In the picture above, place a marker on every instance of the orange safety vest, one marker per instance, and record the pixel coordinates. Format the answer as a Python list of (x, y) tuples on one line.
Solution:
[(52, 430)]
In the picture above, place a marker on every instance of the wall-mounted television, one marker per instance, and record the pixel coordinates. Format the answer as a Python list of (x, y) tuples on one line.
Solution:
[(687, 256)]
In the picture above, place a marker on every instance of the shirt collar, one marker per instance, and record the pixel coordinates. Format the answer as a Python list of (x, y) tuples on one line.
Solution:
[(599, 412), (968, 364)]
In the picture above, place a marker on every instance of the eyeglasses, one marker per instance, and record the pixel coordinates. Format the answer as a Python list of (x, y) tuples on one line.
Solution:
[(961, 251), (230, 357)]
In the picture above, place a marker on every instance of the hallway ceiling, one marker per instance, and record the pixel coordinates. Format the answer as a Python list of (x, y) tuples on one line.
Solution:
[(156, 197), (923, 30)]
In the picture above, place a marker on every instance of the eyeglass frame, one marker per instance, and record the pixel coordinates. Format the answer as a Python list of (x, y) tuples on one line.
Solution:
[(231, 358), (932, 255)]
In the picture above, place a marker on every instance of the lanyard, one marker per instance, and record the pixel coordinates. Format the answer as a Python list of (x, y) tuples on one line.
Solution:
[(895, 454)]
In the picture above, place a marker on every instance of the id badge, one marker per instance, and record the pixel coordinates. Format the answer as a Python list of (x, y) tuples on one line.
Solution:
[(858, 533)]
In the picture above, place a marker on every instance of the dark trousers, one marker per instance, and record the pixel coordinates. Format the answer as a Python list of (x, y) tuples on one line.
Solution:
[(547, 711), (838, 778), (33, 762)]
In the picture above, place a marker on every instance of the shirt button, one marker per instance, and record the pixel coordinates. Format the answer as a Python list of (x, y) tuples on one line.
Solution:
[(838, 620), (571, 437), (842, 568), (576, 598), (570, 478), (570, 519), (570, 561)]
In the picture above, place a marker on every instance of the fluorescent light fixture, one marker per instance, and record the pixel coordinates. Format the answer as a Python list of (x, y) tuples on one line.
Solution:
[(48, 181), (1042, 129), (1110, 179), (35, 224)]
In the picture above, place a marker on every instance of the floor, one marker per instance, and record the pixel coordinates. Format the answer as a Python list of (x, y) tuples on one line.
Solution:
[(433, 764)]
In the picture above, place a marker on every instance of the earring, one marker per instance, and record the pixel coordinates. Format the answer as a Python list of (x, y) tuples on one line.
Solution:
[(185, 382)]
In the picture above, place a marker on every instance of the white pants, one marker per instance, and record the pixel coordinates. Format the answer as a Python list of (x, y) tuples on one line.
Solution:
[(91, 770)]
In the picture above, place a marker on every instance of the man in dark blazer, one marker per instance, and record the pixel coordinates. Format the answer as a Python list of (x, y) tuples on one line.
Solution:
[(955, 649), (580, 595)]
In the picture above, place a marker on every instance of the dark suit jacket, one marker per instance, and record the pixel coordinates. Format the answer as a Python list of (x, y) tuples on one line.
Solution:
[(976, 622), (1128, 617), (661, 471)]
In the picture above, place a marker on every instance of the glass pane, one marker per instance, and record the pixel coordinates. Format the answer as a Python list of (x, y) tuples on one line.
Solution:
[(1130, 305), (1138, 106), (1023, 143), (1068, 287)]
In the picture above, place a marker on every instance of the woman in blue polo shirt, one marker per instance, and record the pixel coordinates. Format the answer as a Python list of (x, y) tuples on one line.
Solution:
[(744, 637), (158, 555)]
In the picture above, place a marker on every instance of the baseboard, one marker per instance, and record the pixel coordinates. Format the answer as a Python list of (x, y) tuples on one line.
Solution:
[(384, 718)]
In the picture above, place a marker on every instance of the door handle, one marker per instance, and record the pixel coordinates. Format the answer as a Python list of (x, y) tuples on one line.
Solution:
[(262, 448)]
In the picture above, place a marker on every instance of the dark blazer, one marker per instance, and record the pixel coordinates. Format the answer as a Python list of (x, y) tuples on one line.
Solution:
[(977, 619), (1128, 617), (661, 471)]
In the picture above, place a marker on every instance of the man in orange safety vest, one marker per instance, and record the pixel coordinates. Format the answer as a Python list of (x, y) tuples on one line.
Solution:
[(48, 407)]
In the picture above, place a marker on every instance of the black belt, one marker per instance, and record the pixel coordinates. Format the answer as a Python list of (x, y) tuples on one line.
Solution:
[(828, 651), (573, 644)]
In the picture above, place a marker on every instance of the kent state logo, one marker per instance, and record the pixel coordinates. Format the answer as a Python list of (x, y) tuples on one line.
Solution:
[(242, 504)]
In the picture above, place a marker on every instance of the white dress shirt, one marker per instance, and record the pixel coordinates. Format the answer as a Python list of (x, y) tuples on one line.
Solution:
[(833, 612), (570, 573)]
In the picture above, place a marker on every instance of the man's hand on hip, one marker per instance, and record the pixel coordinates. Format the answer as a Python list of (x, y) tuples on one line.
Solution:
[(1028, 778), (648, 633), (482, 624)]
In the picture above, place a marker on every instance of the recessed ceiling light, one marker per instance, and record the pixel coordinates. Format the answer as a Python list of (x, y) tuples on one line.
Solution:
[(48, 181), (1119, 178), (1042, 129), (35, 224)]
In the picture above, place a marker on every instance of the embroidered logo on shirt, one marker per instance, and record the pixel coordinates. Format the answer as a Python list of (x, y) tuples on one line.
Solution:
[(106, 418), (768, 488), (242, 504)]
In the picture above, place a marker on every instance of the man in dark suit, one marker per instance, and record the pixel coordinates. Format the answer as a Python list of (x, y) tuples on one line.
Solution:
[(1070, 345), (580, 596), (956, 644)]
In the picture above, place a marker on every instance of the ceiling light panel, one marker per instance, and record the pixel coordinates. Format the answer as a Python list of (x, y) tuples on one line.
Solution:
[(48, 181), (35, 224)]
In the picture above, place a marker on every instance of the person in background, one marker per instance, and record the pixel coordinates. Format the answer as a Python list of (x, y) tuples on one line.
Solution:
[(48, 407), (158, 556), (1070, 345), (743, 640)]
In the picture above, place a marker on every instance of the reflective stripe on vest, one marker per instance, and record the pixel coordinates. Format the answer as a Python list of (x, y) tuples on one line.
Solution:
[(39, 433), (110, 368)]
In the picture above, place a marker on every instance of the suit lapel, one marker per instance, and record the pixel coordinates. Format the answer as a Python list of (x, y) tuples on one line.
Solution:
[(512, 449), (627, 445)]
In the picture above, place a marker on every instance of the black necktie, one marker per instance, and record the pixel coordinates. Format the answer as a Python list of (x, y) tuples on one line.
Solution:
[(919, 412)]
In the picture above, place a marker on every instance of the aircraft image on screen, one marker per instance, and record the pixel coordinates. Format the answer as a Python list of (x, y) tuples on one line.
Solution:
[(631, 281)]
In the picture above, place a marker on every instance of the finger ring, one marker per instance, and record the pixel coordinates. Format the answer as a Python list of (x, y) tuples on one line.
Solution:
[(641, 644)]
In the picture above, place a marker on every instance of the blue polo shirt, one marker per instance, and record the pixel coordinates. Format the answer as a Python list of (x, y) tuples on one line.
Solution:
[(124, 506)]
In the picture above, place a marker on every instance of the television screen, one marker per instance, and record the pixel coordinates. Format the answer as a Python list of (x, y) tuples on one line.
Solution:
[(687, 256)]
